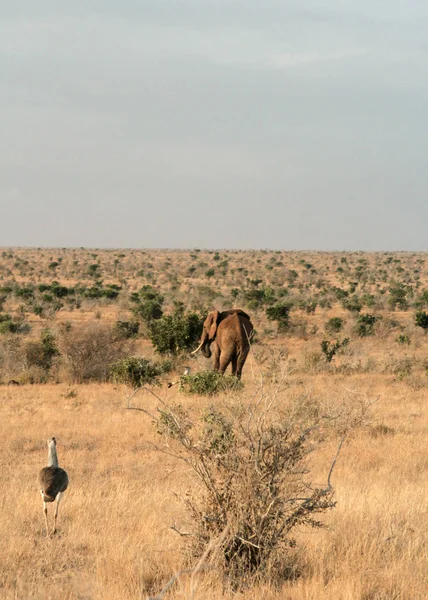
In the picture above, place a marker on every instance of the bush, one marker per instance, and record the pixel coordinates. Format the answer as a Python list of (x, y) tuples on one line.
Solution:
[(365, 325), (135, 372), (10, 325), (175, 333), (421, 319), (352, 303), (403, 339), (127, 329), (89, 350), (281, 314), (148, 311), (397, 296), (252, 489), (208, 383), (334, 325), (330, 349), (40, 354), (7, 325)]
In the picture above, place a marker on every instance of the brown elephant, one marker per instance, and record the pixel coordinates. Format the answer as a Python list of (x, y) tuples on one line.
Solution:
[(231, 330)]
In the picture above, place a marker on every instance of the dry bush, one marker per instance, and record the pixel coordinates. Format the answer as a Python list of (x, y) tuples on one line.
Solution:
[(253, 487), (88, 351), (11, 357)]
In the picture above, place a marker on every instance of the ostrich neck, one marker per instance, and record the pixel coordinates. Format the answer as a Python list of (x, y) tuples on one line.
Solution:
[(52, 457)]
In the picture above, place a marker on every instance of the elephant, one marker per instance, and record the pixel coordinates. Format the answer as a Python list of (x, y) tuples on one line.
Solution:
[(232, 331)]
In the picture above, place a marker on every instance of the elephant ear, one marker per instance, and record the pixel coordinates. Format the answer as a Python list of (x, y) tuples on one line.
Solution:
[(213, 328)]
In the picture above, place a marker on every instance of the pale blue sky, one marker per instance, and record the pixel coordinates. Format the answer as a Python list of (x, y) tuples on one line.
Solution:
[(214, 123)]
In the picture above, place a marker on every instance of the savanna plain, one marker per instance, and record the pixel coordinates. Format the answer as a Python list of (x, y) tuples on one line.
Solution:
[(339, 353)]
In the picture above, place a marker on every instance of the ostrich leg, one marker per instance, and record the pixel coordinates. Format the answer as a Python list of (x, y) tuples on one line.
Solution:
[(58, 499)]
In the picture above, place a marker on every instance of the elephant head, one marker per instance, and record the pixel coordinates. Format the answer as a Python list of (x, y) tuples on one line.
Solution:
[(208, 333)]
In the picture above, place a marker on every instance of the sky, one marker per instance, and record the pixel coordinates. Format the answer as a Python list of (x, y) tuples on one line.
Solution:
[(214, 124)]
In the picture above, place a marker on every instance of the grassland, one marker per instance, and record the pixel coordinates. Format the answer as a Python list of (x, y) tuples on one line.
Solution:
[(114, 531)]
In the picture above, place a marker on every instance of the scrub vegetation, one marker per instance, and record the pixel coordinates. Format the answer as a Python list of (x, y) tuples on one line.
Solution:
[(223, 488)]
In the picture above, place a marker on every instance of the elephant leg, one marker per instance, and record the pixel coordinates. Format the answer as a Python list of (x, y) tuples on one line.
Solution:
[(216, 356), (241, 360), (225, 360), (234, 362)]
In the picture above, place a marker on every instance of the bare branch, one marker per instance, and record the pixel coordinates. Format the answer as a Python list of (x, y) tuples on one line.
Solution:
[(333, 464), (212, 548)]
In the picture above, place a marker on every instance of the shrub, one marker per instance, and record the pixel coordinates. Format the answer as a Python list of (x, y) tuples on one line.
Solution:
[(135, 372), (7, 325), (148, 311), (280, 313), (127, 329), (89, 350), (403, 339), (255, 298), (352, 303), (422, 300), (40, 354), (334, 325), (27, 293), (208, 383), (330, 349), (365, 325), (421, 319), (397, 296), (252, 489), (97, 291), (175, 333)]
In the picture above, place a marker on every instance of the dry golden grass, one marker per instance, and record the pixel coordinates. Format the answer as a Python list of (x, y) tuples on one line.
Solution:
[(114, 538)]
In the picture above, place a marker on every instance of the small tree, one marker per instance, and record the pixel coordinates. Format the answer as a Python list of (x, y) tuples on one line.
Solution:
[(330, 349), (281, 314), (41, 353), (148, 310), (127, 329), (365, 325), (334, 325), (421, 319), (175, 333)]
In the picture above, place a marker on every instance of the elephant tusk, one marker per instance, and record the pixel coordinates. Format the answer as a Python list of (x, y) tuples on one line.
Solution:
[(198, 348)]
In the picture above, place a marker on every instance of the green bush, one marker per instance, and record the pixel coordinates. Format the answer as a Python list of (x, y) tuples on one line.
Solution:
[(175, 333), (421, 319), (330, 349), (7, 324), (334, 325), (27, 293), (208, 383), (135, 372), (403, 339), (365, 325), (398, 296), (148, 311), (352, 303), (280, 313), (127, 329), (422, 300), (41, 353)]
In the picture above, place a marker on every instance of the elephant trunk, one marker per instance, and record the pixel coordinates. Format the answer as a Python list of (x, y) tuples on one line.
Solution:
[(204, 346), (206, 350)]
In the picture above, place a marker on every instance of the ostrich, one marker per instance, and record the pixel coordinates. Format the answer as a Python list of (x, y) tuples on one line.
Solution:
[(53, 482)]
